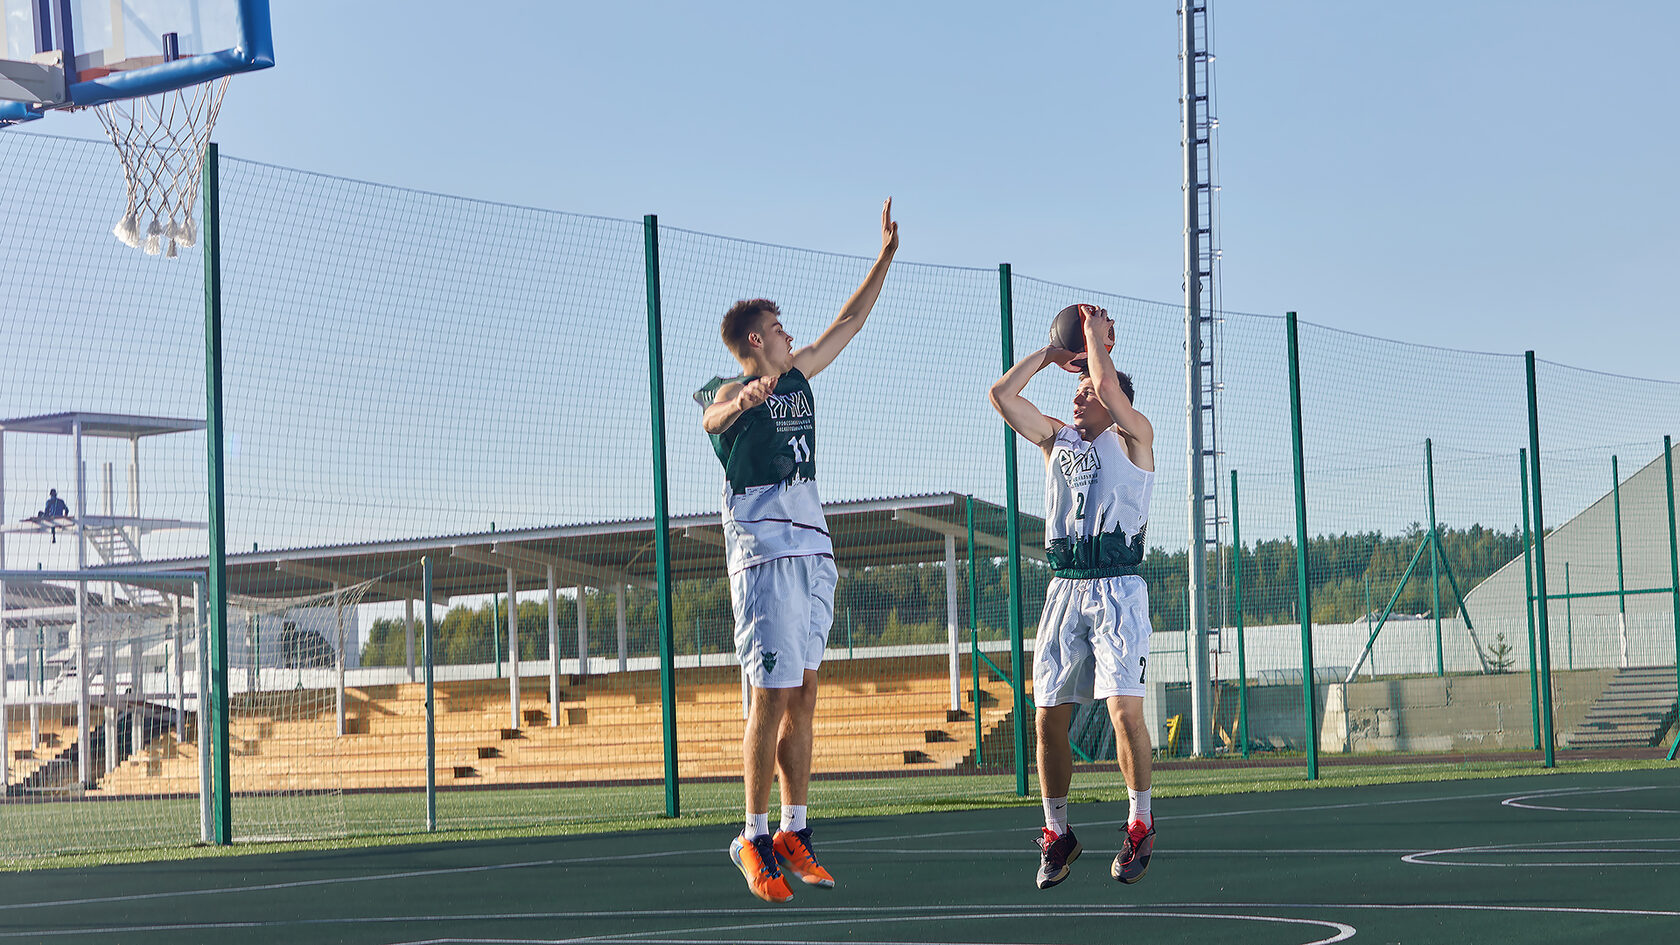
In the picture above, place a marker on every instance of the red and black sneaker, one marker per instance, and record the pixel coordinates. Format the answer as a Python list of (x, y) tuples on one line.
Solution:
[(1057, 852), (1136, 844)]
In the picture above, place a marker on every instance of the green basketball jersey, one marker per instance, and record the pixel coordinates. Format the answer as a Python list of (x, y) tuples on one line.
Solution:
[(770, 504), (775, 441)]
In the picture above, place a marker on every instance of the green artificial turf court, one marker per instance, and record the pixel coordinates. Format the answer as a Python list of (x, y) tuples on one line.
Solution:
[(1553, 858)]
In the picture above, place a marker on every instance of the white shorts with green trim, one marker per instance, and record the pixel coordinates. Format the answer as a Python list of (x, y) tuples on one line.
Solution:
[(783, 609), (1093, 640)]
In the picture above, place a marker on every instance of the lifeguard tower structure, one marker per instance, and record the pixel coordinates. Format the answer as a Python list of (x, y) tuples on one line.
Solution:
[(62, 634)]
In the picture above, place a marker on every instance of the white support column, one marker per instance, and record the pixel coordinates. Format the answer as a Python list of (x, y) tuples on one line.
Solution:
[(582, 632), (32, 666), (623, 633), (553, 651), (200, 631), (137, 691), (408, 636), (5, 638), (513, 649), (338, 657), (180, 675), (5, 658), (134, 488), (84, 738), (951, 618), (110, 703)]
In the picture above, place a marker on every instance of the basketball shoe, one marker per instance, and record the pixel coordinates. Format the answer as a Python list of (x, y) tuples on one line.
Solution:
[(1136, 844), (1057, 852), (793, 848), (757, 862)]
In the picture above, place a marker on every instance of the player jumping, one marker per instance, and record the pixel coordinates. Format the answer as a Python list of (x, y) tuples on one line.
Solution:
[(781, 562), (1093, 637)]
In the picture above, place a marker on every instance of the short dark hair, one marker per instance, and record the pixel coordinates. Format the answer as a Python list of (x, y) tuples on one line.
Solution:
[(742, 319), (1124, 378)]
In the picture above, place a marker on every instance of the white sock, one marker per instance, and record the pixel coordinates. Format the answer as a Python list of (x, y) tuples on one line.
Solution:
[(757, 826), (1055, 815), (1140, 807), (793, 817)]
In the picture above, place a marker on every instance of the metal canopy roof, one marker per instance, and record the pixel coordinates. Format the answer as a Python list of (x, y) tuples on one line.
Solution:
[(118, 425), (867, 533)]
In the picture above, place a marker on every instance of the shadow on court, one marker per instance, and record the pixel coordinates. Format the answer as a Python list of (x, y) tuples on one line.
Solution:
[(1565, 858)]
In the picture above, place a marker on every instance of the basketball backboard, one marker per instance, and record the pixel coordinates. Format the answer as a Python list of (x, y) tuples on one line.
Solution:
[(78, 53)]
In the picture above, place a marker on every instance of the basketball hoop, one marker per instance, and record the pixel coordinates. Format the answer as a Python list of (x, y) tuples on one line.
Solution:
[(161, 140)]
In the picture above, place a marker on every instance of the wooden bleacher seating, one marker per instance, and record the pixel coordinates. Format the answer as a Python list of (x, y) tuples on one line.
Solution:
[(873, 716)]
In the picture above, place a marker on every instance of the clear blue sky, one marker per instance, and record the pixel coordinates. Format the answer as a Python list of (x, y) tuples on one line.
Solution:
[(1490, 175)]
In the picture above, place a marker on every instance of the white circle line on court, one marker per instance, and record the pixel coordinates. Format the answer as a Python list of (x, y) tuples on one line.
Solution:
[(1432, 857), (926, 913), (1342, 930), (1518, 801)]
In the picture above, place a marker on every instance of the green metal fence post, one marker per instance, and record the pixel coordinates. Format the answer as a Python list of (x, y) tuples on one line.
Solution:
[(1434, 552), (1528, 606), (974, 634), (1673, 569), (1303, 589), (661, 517), (1621, 575), (431, 702), (1568, 619), (222, 803), (1016, 622), (1541, 601), (1236, 592)]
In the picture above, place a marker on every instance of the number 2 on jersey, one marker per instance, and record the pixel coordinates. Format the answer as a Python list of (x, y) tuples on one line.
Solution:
[(801, 449), (1079, 505)]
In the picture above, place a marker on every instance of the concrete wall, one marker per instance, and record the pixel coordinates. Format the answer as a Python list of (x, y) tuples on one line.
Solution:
[(1412, 714)]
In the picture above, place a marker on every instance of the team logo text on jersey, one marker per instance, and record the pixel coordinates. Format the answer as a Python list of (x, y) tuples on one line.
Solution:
[(783, 406), (1079, 468)]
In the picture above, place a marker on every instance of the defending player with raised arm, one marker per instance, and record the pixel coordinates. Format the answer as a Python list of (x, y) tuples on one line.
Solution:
[(781, 562), (1093, 636)]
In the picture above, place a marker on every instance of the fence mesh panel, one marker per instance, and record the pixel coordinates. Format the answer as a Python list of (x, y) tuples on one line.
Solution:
[(413, 375)]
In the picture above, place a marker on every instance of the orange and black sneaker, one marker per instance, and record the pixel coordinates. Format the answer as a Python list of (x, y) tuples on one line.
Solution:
[(794, 849), (1137, 843), (757, 862)]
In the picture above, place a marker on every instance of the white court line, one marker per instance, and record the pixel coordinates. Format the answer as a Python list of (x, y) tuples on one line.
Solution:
[(928, 913), (1176, 851), (1517, 801), (1422, 858), (666, 937), (374, 877)]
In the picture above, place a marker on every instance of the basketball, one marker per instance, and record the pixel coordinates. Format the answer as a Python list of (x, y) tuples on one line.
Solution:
[(1067, 331)]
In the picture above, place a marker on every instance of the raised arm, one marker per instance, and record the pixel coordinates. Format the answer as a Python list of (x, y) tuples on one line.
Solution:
[(736, 399), (1134, 426), (1017, 411), (820, 353)]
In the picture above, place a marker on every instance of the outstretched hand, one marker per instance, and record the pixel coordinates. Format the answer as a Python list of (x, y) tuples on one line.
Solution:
[(756, 391), (889, 230)]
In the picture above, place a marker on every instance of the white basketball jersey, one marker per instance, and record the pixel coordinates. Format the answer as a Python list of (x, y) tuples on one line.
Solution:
[(780, 520), (1096, 506)]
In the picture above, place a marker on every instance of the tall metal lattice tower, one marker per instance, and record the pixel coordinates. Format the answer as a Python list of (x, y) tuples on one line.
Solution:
[(1202, 375)]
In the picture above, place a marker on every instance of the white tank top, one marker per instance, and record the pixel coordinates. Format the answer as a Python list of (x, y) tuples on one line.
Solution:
[(1096, 506)]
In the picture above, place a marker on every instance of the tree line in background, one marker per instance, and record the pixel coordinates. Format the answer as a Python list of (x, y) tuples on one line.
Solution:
[(898, 604)]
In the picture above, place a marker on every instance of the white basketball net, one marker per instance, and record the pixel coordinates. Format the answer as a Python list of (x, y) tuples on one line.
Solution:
[(161, 140)]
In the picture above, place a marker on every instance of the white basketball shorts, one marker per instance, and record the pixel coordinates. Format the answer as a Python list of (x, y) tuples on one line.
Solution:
[(1093, 640), (783, 609)]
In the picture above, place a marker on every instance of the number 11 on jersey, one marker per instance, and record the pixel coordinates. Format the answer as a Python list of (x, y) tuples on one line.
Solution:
[(801, 449)]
